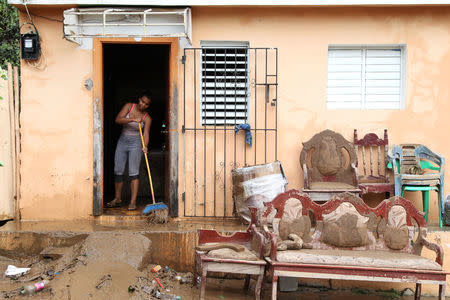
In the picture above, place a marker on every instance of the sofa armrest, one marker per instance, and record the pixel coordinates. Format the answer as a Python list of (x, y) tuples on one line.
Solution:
[(272, 237), (436, 248), (260, 240)]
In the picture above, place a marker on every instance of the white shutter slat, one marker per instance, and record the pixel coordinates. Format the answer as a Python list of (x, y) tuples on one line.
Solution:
[(383, 52), (221, 100), (383, 60), (383, 75), (383, 83), (344, 68), (382, 91), (344, 91), (344, 60), (223, 121), (344, 75), (222, 114), (383, 68), (227, 85), (220, 92), (344, 83), (344, 53), (229, 106)]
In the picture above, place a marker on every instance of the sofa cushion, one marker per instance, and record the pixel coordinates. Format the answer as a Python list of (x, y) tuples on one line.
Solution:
[(366, 258), (396, 233), (345, 227), (231, 254), (293, 222)]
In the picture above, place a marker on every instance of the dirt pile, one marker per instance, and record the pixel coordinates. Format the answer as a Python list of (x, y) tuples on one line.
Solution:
[(110, 265)]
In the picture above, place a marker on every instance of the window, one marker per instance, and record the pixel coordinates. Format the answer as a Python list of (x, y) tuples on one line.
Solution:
[(366, 77), (224, 83)]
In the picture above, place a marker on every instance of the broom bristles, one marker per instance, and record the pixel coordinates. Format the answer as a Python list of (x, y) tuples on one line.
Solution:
[(160, 216)]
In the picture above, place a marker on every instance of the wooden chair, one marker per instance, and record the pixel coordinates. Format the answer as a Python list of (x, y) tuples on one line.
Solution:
[(374, 179), (207, 263), (329, 166)]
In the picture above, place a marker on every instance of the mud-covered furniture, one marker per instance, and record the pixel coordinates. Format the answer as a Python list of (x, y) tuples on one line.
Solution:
[(346, 239), (329, 166), (372, 153), (417, 168), (227, 260)]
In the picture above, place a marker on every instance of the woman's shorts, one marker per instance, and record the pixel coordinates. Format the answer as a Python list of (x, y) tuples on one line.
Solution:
[(128, 146)]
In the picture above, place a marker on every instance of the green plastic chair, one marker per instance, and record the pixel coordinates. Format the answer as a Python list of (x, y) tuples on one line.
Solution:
[(424, 188)]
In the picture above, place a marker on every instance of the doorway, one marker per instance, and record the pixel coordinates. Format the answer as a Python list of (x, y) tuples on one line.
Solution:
[(128, 70)]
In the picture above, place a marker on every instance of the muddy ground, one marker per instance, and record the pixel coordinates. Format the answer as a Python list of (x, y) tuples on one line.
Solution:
[(104, 266)]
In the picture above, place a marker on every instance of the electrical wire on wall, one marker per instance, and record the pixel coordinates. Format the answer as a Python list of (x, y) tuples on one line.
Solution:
[(31, 45)]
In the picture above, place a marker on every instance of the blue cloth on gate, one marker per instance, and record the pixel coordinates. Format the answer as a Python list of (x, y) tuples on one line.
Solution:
[(248, 133)]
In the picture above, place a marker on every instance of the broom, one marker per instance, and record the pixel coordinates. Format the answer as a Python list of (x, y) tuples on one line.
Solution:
[(157, 212)]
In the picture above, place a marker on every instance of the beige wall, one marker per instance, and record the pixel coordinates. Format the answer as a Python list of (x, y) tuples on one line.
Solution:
[(56, 118), (302, 36)]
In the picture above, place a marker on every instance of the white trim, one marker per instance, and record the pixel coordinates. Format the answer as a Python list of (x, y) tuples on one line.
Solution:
[(232, 2)]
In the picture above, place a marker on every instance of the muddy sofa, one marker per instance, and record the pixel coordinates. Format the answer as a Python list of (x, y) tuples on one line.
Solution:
[(237, 253), (346, 239)]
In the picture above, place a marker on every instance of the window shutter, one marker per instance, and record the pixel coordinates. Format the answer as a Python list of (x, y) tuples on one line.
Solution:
[(224, 85), (365, 78)]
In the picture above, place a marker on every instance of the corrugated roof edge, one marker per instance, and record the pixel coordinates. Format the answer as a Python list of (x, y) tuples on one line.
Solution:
[(233, 2)]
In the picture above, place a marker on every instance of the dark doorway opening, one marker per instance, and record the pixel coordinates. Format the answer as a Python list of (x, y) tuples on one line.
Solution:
[(128, 70)]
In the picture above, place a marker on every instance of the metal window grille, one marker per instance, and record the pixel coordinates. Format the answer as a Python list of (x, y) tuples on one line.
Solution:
[(224, 80)]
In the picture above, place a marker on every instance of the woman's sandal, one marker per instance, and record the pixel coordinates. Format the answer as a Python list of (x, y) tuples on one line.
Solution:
[(132, 207), (114, 203)]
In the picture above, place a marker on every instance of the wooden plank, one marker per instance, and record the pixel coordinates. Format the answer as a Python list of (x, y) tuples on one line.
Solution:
[(232, 268), (353, 277)]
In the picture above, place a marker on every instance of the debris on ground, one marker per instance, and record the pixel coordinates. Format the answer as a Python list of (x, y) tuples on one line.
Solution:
[(15, 272), (407, 292), (95, 269), (34, 288), (105, 280)]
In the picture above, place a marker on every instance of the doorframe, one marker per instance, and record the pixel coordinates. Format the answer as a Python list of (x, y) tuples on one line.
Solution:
[(171, 186)]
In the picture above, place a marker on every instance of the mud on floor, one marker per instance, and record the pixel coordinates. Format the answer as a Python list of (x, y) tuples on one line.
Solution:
[(100, 267)]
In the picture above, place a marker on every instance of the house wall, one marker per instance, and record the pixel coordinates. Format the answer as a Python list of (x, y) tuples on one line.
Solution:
[(302, 36), (56, 127), (57, 110)]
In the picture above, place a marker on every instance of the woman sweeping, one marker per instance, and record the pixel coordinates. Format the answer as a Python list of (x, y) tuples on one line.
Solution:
[(130, 146)]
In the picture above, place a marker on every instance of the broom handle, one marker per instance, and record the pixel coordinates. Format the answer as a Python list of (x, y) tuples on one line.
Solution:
[(146, 161)]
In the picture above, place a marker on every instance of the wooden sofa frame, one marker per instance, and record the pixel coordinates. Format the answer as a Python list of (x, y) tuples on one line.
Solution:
[(344, 272), (207, 264)]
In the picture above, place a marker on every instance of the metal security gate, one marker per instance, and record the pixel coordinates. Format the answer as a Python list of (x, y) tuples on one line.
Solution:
[(225, 87)]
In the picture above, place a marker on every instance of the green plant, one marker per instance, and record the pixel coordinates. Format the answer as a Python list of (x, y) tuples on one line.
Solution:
[(4, 77), (9, 35)]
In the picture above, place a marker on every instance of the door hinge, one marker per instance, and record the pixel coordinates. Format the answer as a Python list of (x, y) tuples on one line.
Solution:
[(183, 197), (183, 59), (183, 129)]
